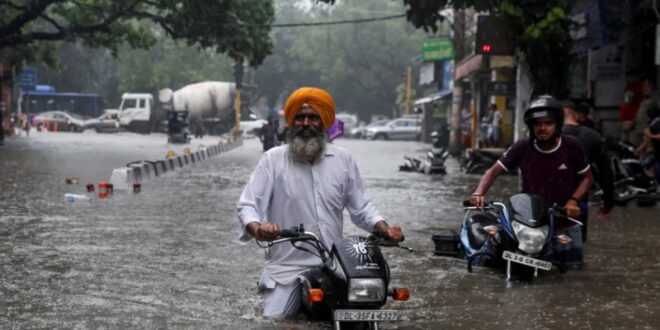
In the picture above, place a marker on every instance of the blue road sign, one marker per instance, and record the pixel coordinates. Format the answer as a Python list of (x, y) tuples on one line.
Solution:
[(27, 80)]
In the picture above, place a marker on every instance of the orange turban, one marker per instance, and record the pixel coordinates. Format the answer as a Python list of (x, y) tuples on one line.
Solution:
[(316, 98)]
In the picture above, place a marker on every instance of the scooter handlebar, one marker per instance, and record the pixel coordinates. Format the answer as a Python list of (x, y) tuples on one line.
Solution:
[(382, 237), (487, 204), (294, 231), (561, 211)]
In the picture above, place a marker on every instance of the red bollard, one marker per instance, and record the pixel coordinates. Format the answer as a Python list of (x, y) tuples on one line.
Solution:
[(90, 187), (103, 190)]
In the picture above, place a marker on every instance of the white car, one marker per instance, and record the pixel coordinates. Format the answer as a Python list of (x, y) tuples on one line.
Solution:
[(361, 132), (58, 121), (252, 126), (397, 129), (350, 122)]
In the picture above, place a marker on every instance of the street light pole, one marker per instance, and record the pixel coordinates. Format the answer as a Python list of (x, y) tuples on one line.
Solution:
[(408, 83), (238, 75)]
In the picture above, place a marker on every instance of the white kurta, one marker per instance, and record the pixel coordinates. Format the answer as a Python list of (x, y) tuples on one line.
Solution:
[(289, 193)]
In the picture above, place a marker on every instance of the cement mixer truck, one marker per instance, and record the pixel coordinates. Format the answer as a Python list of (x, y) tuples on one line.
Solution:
[(211, 102)]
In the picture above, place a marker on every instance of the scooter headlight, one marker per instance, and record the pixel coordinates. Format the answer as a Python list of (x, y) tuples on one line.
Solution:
[(530, 240), (366, 290)]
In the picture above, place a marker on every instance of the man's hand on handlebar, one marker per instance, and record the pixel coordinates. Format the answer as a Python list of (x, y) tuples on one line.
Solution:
[(266, 231), (572, 209), (393, 234), (477, 200)]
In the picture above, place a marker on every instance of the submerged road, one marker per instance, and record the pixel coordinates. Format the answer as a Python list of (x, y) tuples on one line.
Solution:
[(168, 257)]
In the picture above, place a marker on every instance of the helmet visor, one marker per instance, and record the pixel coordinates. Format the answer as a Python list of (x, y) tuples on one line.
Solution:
[(540, 113)]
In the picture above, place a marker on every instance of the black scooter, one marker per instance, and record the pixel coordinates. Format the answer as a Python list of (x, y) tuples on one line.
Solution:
[(352, 284), (431, 163), (477, 161), (630, 180)]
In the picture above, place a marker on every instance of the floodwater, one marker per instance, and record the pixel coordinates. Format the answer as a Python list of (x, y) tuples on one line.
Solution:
[(168, 257)]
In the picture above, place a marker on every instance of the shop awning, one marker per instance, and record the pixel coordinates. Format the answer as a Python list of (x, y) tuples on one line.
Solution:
[(432, 97)]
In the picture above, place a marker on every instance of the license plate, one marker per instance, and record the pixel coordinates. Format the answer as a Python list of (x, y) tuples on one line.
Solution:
[(366, 315), (527, 261)]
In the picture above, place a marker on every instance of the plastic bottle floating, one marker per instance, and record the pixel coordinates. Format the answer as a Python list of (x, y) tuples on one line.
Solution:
[(76, 199)]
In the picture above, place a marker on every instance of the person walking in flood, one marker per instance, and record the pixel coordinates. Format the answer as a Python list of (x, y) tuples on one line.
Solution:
[(268, 133)]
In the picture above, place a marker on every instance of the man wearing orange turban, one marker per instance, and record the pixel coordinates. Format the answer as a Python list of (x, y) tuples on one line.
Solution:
[(317, 99), (308, 181)]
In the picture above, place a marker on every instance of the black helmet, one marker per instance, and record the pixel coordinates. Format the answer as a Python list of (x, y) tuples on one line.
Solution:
[(545, 106)]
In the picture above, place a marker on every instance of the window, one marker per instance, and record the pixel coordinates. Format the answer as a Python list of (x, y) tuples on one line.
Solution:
[(129, 103)]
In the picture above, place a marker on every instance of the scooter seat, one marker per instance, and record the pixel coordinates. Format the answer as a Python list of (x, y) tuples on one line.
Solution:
[(476, 234)]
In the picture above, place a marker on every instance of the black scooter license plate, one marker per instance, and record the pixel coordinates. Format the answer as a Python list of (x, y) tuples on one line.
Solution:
[(527, 261), (356, 315)]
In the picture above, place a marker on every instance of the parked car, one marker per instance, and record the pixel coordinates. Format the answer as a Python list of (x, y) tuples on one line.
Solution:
[(397, 129), (350, 122), (361, 131), (252, 126), (58, 121), (107, 122)]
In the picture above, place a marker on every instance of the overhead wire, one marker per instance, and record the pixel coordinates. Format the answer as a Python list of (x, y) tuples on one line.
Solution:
[(353, 21)]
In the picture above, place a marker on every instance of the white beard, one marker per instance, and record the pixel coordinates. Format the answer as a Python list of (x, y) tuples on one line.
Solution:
[(307, 150)]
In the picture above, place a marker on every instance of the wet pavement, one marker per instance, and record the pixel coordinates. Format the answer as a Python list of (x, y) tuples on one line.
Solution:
[(168, 257)]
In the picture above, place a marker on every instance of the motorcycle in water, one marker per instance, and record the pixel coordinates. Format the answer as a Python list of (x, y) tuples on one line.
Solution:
[(178, 127), (519, 237), (478, 160), (630, 180), (433, 162), (351, 284)]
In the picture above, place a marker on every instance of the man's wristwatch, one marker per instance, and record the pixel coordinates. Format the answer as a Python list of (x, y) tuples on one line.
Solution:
[(574, 199)]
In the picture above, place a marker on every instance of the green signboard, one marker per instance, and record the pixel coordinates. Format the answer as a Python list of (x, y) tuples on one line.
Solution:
[(438, 49)]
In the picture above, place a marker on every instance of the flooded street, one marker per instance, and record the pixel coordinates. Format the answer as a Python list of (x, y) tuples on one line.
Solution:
[(169, 257)]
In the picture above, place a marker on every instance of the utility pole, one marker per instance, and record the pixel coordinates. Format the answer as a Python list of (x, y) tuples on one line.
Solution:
[(238, 75), (408, 83), (457, 94)]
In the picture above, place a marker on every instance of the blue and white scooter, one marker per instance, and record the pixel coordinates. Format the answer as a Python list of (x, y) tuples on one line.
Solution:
[(520, 237)]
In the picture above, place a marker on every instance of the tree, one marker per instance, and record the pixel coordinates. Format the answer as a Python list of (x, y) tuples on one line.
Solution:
[(359, 64), (239, 28), (540, 28)]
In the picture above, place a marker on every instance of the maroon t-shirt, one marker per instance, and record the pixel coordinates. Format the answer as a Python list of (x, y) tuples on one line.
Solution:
[(552, 174)]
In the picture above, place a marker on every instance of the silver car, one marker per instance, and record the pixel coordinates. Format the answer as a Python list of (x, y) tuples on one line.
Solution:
[(107, 122), (397, 129), (58, 121), (361, 132), (350, 122)]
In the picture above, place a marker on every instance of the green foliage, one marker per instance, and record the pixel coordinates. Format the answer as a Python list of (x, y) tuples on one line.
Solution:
[(169, 63), (359, 64), (540, 28), (239, 28)]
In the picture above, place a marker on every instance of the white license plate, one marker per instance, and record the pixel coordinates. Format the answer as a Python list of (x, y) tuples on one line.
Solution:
[(366, 315), (527, 261)]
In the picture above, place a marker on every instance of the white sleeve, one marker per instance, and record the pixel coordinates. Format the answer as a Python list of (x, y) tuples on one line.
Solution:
[(253, 204), (363, 212)]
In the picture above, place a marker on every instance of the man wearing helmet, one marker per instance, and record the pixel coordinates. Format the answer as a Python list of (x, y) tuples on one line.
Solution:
[(552, 166)]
